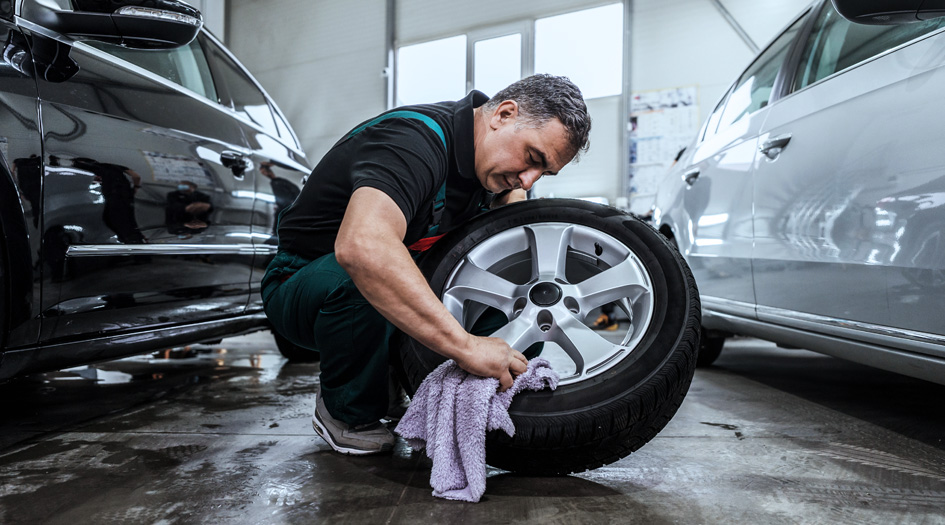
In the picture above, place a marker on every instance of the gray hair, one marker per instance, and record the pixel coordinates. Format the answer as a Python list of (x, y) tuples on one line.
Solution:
[(543, 97)]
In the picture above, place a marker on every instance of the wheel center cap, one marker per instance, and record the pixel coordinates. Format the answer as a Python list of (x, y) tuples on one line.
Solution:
[(545, 294)]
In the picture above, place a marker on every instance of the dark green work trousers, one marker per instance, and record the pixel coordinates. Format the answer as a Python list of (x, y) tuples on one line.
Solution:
[(315, 305)]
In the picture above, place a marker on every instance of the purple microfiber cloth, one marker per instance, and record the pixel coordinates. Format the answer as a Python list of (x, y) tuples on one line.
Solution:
[(449, 416)]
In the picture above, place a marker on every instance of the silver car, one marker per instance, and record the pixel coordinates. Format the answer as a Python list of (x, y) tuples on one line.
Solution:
[(811, 205)]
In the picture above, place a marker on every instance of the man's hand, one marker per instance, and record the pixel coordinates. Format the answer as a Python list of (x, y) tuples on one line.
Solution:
[(370, 248), (492, 357)]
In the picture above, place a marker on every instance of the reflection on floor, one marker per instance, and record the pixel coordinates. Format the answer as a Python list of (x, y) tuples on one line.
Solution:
[(223, 434)]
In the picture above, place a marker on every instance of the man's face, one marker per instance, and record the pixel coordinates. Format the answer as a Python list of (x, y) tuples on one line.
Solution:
[(509, 158)]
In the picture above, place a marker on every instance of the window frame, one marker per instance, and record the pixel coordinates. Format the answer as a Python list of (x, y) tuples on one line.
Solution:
[(226, 100), (788, 87)]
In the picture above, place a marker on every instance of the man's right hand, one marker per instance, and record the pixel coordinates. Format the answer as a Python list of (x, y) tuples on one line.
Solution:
[(492, 357)]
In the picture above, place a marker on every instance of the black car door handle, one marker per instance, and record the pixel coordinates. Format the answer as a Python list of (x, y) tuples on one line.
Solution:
[(691, 176), (772, 147), (234, 160)]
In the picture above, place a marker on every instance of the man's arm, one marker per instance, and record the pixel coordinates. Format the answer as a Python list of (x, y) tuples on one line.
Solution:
[(510, 197), (370, 248)]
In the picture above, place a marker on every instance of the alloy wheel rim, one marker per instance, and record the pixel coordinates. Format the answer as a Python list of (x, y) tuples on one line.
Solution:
[(548, 279)]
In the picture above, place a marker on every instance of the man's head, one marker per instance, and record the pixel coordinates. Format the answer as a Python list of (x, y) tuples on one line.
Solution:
[(529, 129)]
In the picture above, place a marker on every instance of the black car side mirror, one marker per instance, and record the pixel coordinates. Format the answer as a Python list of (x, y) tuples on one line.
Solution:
[(889, 12), (147, 24)]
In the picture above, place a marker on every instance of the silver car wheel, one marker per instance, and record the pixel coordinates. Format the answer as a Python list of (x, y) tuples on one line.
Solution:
[(548, 279)]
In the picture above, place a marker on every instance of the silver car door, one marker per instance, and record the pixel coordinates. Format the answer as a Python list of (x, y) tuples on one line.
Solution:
[(850, 199)]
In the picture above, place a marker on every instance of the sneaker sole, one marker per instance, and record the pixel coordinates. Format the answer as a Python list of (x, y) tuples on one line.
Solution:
[(324, 434)]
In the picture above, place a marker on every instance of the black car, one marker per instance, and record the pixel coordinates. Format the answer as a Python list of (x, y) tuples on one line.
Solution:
[(143, 170)]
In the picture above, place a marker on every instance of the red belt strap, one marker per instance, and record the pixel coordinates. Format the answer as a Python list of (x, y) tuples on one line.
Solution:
[(424, 244)]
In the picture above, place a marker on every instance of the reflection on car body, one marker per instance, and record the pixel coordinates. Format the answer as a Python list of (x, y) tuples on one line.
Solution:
[(816, 216), (140, 190)]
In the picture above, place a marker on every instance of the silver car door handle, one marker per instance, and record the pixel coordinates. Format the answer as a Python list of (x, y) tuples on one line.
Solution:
[(772, 147), (690, 176)]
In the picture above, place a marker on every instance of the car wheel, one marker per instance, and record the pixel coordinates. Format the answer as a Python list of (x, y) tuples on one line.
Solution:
[(549, 265), (709, 349), (294, 352)]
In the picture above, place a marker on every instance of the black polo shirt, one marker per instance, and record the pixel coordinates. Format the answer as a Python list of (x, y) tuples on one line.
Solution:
[(408, 153)]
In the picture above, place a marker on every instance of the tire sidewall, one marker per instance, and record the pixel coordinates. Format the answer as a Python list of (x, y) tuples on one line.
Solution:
[(671, 298)]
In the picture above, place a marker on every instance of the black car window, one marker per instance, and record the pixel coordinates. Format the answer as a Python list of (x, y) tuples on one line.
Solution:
[(284, 132), (753, 89), (185, 65), (246, 98), (836, 44)]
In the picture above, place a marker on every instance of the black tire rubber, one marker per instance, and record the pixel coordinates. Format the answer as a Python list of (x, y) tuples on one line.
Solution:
[(293, 352), (709, 349), (600, 420)]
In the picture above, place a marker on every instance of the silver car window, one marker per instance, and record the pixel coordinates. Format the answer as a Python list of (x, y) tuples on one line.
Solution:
[(185, 65), (836, 44), (753, 89)]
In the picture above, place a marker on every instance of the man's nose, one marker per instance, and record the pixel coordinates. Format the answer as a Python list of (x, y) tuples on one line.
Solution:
[(529, 177)]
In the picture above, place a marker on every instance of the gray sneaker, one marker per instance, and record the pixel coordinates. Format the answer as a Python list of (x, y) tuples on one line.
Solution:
[(361, 440)]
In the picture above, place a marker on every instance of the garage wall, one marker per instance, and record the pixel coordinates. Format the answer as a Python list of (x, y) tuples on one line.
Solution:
[(688, 42), (322, 61)]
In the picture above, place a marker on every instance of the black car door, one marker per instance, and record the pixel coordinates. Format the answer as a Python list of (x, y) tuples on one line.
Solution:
[(275, 155), (148, 202), (21, 165)]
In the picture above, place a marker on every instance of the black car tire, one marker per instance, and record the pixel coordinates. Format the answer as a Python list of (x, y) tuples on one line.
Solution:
[(293, 352), (592, 422), (709, 349)]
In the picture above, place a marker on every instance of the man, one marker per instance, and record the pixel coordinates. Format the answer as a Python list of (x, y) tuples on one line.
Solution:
[(344, 276)]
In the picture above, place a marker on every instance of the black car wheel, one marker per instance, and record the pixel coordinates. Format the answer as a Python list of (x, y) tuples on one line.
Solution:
[(549, 265), (710, 347)]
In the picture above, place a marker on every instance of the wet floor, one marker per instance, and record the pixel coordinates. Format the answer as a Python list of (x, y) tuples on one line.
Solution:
[(222, 434)]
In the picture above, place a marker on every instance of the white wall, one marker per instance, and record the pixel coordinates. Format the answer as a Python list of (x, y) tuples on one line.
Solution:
[(322, 60), (688, 42)]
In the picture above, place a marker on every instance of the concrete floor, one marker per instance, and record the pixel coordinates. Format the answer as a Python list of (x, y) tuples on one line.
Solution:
[(765, 436)]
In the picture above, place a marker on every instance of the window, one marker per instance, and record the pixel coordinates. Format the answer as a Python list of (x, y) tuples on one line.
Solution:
[(497, 62), (586, 46), (753, 89), (185, 65), (432, 71), (836, 44), (246, 98)]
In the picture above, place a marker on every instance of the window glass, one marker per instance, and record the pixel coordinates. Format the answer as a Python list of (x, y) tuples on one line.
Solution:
[(432, 71), (246, 98), (185, 65), (585, 46), (753, 89), (497, 63), (836, 44)]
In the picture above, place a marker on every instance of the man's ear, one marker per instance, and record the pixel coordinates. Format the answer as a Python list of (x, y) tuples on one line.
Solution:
[(505, 112)]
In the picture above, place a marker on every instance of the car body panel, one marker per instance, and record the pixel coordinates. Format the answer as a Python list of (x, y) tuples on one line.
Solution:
[(848, 255), (20, 209), (97, 268), (106, 118)]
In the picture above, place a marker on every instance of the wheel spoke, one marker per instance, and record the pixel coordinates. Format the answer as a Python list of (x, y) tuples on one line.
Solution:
[(584, 346), (483, 287), (625, 280), (549, 247), (520, 333)]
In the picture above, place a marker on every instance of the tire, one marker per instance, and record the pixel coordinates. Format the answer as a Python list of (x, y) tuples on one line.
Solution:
[(293, 352), (616, 402), (709, 349)]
